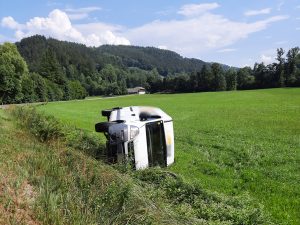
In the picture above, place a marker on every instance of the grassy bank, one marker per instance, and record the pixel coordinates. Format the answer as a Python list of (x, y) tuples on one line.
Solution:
[(229, 142), (46, 180)]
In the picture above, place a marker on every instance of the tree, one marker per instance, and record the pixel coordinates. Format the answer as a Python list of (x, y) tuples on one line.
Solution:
[(108, 73), (193, 84), (50, 67), (231, 79), (76, 90), (28, 89), (219, 82), (40, 87), (12, 69), (280, 67), (245, 79), (290, 77), (205, 79)]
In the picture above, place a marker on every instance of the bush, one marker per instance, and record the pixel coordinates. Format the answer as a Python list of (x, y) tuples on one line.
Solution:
[(44, 127), (47, 128)]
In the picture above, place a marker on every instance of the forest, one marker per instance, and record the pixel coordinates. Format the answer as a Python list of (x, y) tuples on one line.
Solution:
[(40, 69)]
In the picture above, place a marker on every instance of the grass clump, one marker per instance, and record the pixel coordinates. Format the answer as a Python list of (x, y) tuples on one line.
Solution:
[(47, 128)]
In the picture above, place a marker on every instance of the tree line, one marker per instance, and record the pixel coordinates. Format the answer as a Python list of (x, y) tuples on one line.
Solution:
[(40, 69), (285, 72)]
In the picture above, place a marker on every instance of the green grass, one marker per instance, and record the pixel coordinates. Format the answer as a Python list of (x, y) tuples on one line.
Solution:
[(44, 180), (229, 142)]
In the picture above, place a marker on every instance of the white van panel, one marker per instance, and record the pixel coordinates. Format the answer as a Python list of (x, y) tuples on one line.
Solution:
[(169, 134), (140, 150)]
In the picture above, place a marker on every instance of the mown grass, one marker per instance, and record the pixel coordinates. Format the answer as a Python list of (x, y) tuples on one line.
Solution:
[(229, 142), (44, 179)]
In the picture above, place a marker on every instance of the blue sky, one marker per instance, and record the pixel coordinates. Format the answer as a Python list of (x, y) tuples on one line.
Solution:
[(232, 32)]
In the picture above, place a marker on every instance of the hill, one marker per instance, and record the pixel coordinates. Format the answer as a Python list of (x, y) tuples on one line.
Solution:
[(146, 58)]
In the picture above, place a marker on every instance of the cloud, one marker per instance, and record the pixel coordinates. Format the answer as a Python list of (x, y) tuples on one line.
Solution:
[(197, 9), (199, 32), (224, 50), (59, 26), (193, 36), (9, 22), (257, 12), (266, 59), (81, 13), (297, 28)]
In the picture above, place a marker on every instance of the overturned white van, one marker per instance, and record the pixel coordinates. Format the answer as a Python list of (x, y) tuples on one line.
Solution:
[(139, 134)]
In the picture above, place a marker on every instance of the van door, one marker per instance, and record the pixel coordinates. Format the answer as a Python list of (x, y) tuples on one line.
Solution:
[(156, 144)]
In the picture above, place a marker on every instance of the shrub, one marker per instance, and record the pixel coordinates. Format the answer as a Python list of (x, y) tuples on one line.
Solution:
[(47, 128), (44, 127)]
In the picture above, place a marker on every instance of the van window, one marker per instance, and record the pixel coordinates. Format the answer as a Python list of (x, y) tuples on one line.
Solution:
[(156, 144), (131, 158)]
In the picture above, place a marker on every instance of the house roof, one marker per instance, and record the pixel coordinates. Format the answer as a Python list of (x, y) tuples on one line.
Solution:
[(135, 89)]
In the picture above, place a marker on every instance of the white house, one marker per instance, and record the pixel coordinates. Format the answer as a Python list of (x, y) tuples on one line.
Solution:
[(136, 90)]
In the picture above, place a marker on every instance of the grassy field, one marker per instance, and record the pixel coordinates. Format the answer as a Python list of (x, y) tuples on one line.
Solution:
[(49, 174), (229, 142)]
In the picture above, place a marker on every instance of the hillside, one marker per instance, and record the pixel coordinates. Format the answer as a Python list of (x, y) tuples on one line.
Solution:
[(146, 58)]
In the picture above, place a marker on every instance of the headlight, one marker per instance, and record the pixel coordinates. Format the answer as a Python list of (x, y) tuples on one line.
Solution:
[(134, 131)]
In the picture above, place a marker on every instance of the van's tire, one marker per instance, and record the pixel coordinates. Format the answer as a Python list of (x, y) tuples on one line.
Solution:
[(103, 126)]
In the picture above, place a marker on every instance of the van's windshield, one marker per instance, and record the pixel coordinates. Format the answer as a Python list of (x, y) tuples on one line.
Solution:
[(156, 144)]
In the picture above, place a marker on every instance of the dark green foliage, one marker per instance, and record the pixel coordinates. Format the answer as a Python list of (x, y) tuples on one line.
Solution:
[(40, 87), (166, 62), (50, 67), (231, 79), (76, 91), (205, 79), (28, 89), (218, 82), (54, 92), (12, 69), (245, 79)]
